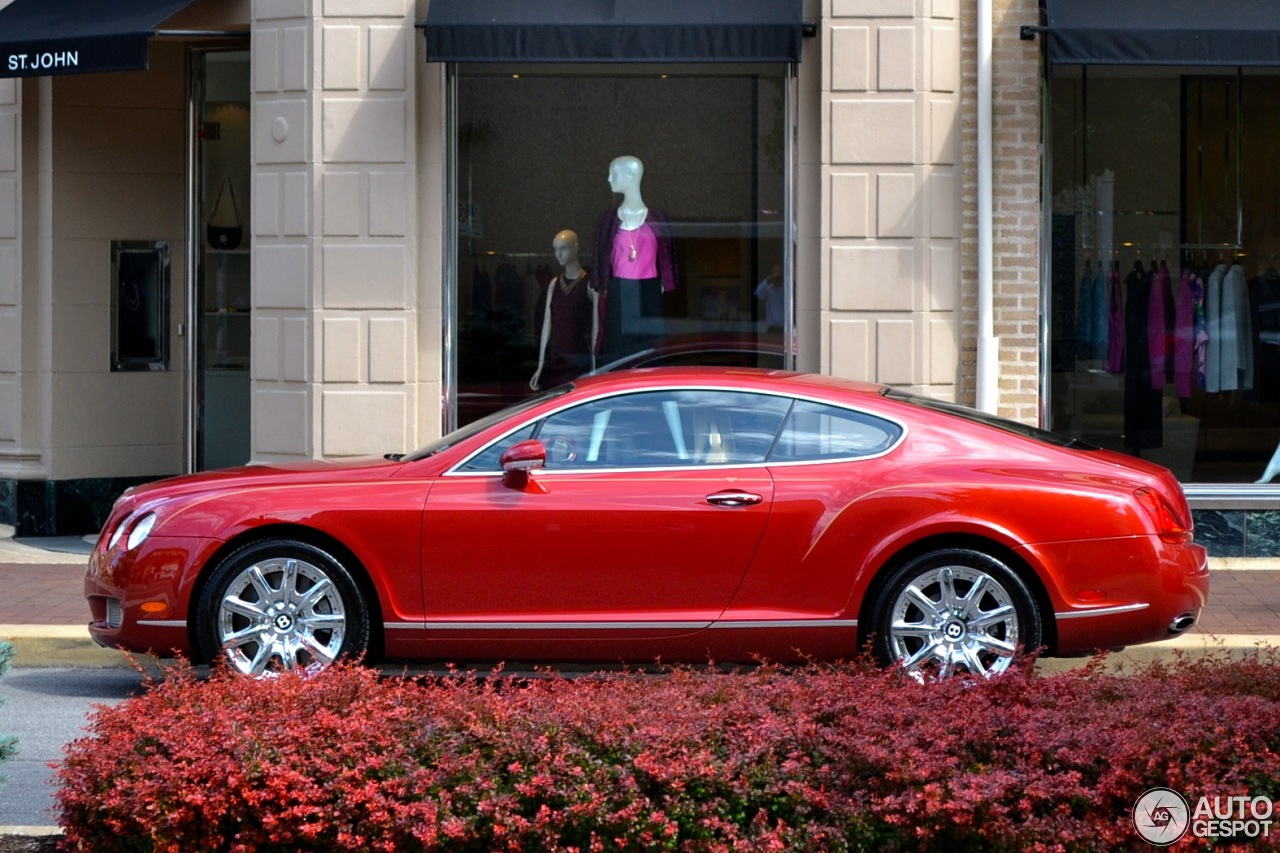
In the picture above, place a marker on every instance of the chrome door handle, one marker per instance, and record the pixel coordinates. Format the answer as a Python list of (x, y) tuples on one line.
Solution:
[(734, 499)]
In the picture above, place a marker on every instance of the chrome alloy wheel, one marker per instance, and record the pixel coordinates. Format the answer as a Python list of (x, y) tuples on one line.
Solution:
[(281, 611), (954, 618)]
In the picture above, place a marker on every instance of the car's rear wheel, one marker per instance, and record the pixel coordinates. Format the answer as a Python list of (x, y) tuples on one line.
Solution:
[(954, 611), (281, 604)]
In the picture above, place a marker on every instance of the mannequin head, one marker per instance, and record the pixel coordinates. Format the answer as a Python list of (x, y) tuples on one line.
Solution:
[(565, 247), (625, 173)]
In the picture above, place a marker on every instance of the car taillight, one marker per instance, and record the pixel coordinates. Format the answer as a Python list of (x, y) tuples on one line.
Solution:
[(1164, 517)]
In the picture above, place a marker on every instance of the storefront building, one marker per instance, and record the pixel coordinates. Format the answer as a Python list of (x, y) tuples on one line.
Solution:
[(303, 229), (1162, 245)]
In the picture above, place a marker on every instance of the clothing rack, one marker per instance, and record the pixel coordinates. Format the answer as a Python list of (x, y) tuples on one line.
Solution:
[(1183, 253), (497, 255)]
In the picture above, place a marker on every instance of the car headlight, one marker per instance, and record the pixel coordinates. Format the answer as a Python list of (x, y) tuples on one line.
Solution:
[(140, 530), (116, 534)]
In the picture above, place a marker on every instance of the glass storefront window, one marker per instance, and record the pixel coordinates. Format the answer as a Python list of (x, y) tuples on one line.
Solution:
[(1164, 292), (611, 217)]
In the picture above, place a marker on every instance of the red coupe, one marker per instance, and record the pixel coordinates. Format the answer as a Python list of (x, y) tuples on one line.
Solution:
[(674, 514)]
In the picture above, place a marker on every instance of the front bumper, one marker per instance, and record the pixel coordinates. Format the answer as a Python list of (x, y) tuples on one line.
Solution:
[(139, 601)]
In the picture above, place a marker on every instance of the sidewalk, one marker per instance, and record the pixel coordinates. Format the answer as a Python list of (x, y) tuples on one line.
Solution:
[(42, 611), (44, 615)]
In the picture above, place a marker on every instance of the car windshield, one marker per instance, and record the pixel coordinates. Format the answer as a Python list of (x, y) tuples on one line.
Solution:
[(1054, 438), (465, 432)]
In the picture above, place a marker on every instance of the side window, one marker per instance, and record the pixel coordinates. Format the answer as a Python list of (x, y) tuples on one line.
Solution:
[(490, 459), (642, 430), (652, 429), (816, 431), (655, 429), (732, 427)]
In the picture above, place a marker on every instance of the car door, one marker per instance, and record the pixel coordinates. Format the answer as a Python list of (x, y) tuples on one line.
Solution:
[(642, 523), (828, 465)]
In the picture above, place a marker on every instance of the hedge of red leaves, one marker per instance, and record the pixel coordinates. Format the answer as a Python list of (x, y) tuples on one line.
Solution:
[(839, 758)]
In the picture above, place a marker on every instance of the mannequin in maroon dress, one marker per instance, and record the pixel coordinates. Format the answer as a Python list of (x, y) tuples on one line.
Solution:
[(570, 321)]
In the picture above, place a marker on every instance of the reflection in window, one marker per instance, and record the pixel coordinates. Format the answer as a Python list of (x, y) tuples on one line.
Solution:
[(817, 431), (732, 427), (653, 430), (630, 431), (668, 429), (490, 459)]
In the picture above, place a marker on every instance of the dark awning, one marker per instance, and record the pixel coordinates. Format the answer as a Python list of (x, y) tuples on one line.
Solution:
[(613, 30), (1164, 32), (39, 37)]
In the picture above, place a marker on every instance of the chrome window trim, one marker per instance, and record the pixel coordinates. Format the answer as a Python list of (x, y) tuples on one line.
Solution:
[(788, 623), (542, 472), (1101, 611)]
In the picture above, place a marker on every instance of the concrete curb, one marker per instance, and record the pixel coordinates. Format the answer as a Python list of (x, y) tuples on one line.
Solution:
[(58, 645), (31, 831), (1188, 645)]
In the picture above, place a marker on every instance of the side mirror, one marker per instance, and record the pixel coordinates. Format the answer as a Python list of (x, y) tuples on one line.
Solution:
[(519, 459)]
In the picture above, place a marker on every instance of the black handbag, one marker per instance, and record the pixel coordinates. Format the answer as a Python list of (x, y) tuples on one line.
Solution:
[(225, 229)]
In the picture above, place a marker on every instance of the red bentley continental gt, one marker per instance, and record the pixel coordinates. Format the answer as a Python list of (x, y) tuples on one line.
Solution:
[(673, 514)]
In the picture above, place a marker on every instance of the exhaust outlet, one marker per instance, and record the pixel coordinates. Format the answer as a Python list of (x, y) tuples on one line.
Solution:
[(1181, 623)]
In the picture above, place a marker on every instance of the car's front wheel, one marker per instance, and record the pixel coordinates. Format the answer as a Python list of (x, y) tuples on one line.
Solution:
[(952, 611), (281, 604)]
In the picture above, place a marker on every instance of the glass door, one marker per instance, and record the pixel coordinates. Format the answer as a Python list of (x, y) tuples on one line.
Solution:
[(220, 322)]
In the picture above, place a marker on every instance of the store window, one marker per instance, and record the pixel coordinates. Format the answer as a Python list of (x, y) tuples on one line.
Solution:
[(1165, 267), (612, 217)]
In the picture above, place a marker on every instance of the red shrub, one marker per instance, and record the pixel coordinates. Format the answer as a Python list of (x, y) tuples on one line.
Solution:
[(813, 759)]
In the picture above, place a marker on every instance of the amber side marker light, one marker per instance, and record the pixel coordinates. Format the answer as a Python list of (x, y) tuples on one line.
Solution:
[(154, 607), (1169, 527)]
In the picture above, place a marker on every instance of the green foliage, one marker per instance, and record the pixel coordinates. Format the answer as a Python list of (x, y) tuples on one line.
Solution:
[(8, 743)]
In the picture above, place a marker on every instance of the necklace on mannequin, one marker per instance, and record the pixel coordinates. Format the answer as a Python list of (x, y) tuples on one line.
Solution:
[(632, 216)]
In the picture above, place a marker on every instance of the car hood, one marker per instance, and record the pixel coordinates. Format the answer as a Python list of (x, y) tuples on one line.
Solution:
[(257, 476)]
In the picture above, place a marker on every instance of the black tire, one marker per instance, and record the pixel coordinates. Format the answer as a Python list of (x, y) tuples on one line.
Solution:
[(955, 610), (279, 604)]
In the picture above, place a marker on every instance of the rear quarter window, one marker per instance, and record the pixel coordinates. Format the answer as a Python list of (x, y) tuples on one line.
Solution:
[(816, 431)]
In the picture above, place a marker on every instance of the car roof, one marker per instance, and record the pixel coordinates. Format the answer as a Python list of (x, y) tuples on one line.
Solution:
[(783, 381)]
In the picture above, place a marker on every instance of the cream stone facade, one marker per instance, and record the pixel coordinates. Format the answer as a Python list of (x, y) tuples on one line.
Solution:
[(349, 238), (891, 177), (64, 197), (13, 309), (346, 318)]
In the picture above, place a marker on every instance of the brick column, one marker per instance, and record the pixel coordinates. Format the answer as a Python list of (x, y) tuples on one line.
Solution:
[(1015, 203)]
